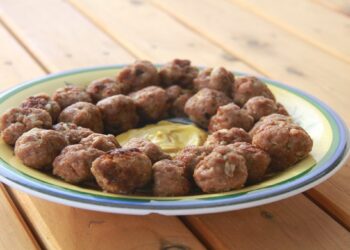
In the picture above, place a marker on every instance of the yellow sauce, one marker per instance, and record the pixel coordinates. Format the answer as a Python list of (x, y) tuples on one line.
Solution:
[(169, 136)]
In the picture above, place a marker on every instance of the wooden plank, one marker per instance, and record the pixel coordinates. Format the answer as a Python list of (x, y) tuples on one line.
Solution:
[(281, 56), (14, 232), (271, 50), (62, 227), (152, 34), (295, 223), (342, 6), (315, 24)]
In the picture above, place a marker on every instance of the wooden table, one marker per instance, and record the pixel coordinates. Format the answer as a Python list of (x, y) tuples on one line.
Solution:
[(303, 43)]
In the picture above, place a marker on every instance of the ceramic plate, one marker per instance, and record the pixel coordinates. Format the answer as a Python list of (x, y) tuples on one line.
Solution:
[(327, 130)]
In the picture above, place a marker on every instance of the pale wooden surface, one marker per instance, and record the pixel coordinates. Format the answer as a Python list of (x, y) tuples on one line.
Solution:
[(54, 35)]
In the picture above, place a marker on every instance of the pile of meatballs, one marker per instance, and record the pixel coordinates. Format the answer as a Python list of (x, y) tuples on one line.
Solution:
[(72, 133)]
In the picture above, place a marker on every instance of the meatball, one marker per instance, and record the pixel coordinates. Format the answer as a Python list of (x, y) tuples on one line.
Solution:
[(150, 149), (122, 170), (247, 87), (105, 87), (227, 136), (222, 170), (72, 132), (281, 109), (43, 101), (286, 143), (273, 119), (37, 148), (177, 98), (16, 121), (204, 104), (118, 113), (215, 78), (228, 116), (178, 72), (151, 102), (83, 114), (170, 178), (102, 142), (69, 95), (74, 163), (257, 160), (191, 156), (260, 106), (138, 75)]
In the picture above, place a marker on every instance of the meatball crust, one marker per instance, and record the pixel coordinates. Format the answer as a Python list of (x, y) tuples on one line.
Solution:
[(151, 103), (273, 119), (72, 132), (247, 87), (230, 115), (215, 78), (16, 121), (122, 170), (105, 87), (257, 160), (37, 148), (227, 136), (169, 178), (74, 163), (191, 156), (177, 98), (153, 151), (69, 95), (118, 113), (281, 109), (178, 72), (101, 142), (286, 143), (43, 101), (204, 104), (222, 170), (83, 114), (138, 75)]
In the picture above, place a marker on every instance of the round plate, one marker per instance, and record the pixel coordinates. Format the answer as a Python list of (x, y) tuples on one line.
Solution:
[(327, 130)]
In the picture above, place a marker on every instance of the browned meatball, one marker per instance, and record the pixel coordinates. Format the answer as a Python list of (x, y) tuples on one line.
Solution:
[(118, 113), (139, 75), (247, 87), (204, 104), (69, 95), (74, 163), (191, 156), (215, 78), (101, 142), (43, 101), (170, 178), (16, 121), (83, 114), (286, 143), (222, 170), (151, 102), (227, 136), (178, 72), (273, 119), (281, 109), (260, 106), (228, 116), (37, 148), (257, 160), (177, 98), (106, 87), (72, 132), (153, 151), (122, 170)]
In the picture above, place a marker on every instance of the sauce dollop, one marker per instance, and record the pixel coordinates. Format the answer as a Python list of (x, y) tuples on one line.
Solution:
[(171, 137)]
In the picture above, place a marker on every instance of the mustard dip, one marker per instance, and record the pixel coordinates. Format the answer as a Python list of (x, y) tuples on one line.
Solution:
[(169, 136)]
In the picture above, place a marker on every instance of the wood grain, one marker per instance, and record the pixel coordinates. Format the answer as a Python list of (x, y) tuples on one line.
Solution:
[(341, 6), (295, 223), (315, 24)]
